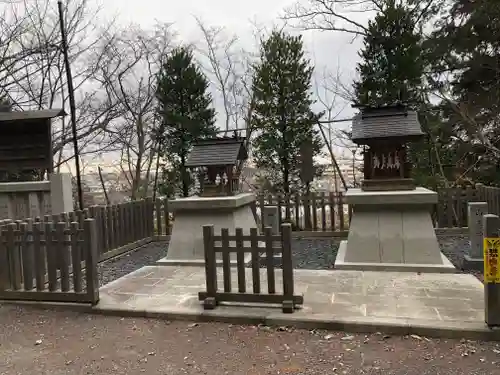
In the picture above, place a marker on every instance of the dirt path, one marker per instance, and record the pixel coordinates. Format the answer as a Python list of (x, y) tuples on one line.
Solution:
[(34, 341)]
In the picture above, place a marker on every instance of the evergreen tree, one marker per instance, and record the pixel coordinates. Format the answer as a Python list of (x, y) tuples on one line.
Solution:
[(467, 45), (282, 117), (392, 59), (393, 66), (186, 113)]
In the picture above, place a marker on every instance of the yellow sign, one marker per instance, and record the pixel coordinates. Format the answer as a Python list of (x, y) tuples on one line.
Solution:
[(491, 247)]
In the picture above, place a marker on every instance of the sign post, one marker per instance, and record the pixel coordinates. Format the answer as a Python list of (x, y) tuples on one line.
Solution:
[(491, 249)]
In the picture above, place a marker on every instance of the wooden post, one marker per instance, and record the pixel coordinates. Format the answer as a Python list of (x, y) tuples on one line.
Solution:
[(286, 257), (210, 301), (159, 227), (91, 258), (491, 225)]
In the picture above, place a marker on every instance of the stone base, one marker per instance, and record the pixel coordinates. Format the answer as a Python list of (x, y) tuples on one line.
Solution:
[(392, 230), (473, 264), (388, 184), (191, 214), (341, 264)]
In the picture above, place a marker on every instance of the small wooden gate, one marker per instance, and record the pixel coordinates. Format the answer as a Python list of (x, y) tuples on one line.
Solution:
[(212, 296)]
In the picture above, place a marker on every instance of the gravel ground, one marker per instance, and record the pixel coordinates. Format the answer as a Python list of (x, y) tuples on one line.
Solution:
[(35, 341), (120, 266), (317, 253)]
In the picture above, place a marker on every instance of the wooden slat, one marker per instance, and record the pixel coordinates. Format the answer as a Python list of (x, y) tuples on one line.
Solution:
[(40, 257), (76, 258), (271, 283), (44, 296), (240, 261), (254, 244), (252, 298), (51, 257), (27, 254), (226, 260), (110, 228), (331, 204), (246, 238), (322, 203), (63, 255), (159, 222)]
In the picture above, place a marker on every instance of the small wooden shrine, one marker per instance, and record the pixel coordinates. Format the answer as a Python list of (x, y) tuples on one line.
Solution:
[(26, 139), (385, 132), (216, 162)]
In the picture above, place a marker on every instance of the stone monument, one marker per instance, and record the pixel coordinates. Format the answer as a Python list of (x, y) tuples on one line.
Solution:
[(221, 203), (473, 259), (391, 227)]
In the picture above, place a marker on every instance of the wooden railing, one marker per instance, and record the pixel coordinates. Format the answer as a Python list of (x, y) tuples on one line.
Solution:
[(54, 262), (235, 244)]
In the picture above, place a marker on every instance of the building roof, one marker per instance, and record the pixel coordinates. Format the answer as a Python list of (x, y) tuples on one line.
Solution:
[(217, 151), (43, 114), (385, 122)]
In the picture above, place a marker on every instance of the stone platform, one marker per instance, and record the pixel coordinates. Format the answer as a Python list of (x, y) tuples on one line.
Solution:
[(392, 230), (393, 302), (191, 214)]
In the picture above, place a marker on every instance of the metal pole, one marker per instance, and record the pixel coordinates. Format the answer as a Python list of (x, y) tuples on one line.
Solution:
[(72, 107)]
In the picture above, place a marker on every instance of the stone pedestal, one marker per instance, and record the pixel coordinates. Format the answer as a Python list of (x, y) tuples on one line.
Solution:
[(393, 231), (186, 241), (473, 259)]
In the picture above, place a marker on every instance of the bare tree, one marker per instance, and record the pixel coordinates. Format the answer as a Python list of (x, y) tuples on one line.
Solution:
[(229, 68), (349, 16), (35, 77), (128, 76)]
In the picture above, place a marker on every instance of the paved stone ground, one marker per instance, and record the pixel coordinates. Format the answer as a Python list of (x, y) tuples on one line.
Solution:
[(403, 300), (35, 341)]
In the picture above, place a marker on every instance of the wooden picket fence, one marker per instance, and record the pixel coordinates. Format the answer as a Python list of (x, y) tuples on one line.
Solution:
[(235, 244), (329, 212), (49, 261)]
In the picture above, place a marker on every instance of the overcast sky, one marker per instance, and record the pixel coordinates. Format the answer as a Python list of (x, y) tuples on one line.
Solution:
[(332, 51)]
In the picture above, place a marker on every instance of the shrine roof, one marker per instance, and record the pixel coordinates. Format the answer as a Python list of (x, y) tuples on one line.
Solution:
[(44, 114), (385, 122), (217, 151)]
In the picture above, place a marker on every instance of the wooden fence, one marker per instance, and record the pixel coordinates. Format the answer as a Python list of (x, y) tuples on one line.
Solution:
[(329, 212), (121, 227), (51, 261), (235, 244)]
